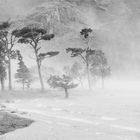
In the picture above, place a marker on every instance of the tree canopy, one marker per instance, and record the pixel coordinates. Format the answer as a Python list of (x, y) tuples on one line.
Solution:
[(63, 81), (32, 35), (23, 74)]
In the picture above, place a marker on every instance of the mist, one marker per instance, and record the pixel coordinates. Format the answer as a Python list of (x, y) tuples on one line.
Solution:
[(69, 69), (115, 25)]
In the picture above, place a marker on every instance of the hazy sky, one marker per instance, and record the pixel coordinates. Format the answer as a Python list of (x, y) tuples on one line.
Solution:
[(119, 26), (14, 7), (10, 8)]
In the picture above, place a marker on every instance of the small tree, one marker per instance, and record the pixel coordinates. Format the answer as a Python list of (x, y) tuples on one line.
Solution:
[(100, 66), (64, 82), (23, 74), (33, 36), (84, 54), (8, 39)]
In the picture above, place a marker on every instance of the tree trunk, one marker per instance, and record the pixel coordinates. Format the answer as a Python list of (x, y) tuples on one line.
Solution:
[(66, 93), (40, 76), (9, 73), (88, 76), (23, 85), (2, 84), (39, 69), (41, 80)]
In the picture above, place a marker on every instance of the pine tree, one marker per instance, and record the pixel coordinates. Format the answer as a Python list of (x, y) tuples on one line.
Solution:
[(23, 74), (85, 53)]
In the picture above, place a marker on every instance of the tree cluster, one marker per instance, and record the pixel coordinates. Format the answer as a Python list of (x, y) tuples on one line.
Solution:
[(94, 61)]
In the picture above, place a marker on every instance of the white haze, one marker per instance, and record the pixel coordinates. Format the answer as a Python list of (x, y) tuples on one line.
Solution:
[(116, 31)]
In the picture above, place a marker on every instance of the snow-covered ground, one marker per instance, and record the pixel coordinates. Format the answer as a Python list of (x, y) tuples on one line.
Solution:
[(98, 115)]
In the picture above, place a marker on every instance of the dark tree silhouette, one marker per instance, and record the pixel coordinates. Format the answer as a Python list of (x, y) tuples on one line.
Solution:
[(43, 56), (99, 66), (64, 82), (33, 36), (86, 34), (84, 54), (2, 75), (23, 74), (2, 66), (8, 39)]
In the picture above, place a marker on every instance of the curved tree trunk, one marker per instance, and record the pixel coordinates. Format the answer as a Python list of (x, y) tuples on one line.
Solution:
[(88, 76), (39, 73), (40, 78)]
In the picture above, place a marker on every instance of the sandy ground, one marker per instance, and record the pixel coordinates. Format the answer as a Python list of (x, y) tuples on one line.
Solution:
[(100, 115)]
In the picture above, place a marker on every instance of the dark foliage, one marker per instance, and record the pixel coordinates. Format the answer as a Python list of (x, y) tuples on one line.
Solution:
[(85, 32), (75, 51), (47, 55), (5, 25), (28, 35)]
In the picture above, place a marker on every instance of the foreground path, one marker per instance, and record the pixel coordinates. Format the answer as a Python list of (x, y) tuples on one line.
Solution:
[(61, 126)]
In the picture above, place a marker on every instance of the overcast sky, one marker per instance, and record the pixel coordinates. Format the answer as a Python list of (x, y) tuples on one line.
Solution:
[(118, 34), (9, 8)]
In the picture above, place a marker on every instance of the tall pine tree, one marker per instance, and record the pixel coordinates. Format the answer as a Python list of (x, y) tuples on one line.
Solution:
[(84, 53), (23, 74)]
